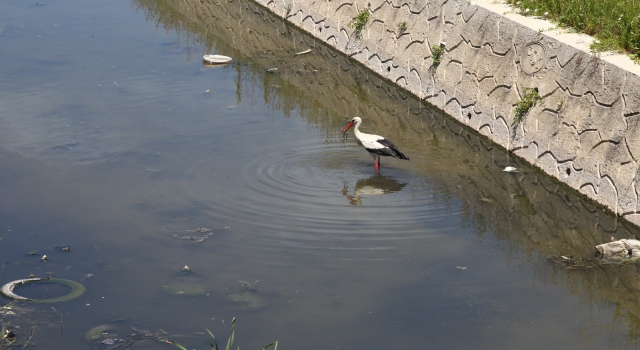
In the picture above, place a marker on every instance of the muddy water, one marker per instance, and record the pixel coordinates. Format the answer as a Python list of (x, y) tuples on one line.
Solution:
[(116, 141)]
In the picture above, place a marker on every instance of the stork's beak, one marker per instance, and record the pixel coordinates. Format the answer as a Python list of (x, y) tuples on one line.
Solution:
[(347, 127)]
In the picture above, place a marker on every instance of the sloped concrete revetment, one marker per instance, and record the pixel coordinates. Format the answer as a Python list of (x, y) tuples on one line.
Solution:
[(585, 131)]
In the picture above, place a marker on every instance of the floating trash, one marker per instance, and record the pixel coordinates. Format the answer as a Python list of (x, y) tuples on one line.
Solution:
[(215, 60), (302, 52), (620, 250), (62, 247), (510, 169), (272, 70), (77, 289), (461, 267)]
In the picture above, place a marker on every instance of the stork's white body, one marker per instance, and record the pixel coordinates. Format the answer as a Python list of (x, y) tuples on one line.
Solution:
[(376, 145)]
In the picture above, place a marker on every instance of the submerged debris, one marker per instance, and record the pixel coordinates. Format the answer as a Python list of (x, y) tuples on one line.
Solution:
[(116, 335), (619, 251), (208, 232), (184, 289), (114, 343), (247, 300), (148, 334), (571, 263), (246, 285), (615, 252)]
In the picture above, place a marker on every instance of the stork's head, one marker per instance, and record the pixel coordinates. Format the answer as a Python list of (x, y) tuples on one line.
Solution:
[(352, 122)]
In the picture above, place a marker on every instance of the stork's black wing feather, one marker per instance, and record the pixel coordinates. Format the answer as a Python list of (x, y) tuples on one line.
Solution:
[(395, 152)]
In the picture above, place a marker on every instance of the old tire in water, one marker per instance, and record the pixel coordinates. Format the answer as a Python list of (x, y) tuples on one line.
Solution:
[(77, 289)]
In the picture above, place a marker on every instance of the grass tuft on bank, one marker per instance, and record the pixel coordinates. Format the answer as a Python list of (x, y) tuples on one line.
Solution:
[(615, 24)]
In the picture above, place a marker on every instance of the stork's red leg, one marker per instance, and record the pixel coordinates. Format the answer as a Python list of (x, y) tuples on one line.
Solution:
[(376, 163)]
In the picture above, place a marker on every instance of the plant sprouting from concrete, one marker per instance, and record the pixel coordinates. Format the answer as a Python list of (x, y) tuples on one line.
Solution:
[(529, 99), (287, 10), (436, 53), (358, 22), (402, 27)]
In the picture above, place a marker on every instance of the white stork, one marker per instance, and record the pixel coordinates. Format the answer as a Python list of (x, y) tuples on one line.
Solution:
[(376, 145)]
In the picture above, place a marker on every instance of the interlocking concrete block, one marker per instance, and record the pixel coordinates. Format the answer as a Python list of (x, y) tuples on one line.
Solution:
[(631, 95), (627, 199), (476, 26), (416, 7), (607, 193), (543, 128), (528, 152), (467, 90), (632, 137), (633, 218), (563, 144), (548, 164)]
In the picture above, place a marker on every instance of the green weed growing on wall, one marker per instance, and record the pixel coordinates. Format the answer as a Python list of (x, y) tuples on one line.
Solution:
[(402, 27), (437, 51), (358, 22), (529, 99)]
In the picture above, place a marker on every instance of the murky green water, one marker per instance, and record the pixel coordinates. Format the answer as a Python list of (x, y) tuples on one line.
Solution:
[(116, 141)]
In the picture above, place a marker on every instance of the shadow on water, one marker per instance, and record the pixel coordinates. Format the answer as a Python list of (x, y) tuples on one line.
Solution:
[(445, 244)]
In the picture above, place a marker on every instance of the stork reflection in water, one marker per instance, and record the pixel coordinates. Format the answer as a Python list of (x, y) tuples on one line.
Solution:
[(373, 186)]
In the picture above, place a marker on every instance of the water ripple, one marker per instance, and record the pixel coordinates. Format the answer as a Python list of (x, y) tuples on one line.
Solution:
[(312, 194)]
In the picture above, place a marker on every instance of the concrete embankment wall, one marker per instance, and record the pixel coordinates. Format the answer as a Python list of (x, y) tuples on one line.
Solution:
[(586, 130)]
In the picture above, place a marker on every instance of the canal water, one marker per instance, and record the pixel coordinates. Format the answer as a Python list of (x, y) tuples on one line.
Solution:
[(181, 196)]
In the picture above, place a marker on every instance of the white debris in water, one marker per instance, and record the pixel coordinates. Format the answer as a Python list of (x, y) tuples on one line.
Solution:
[(302, 52), (510, 169), (216, 59)]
